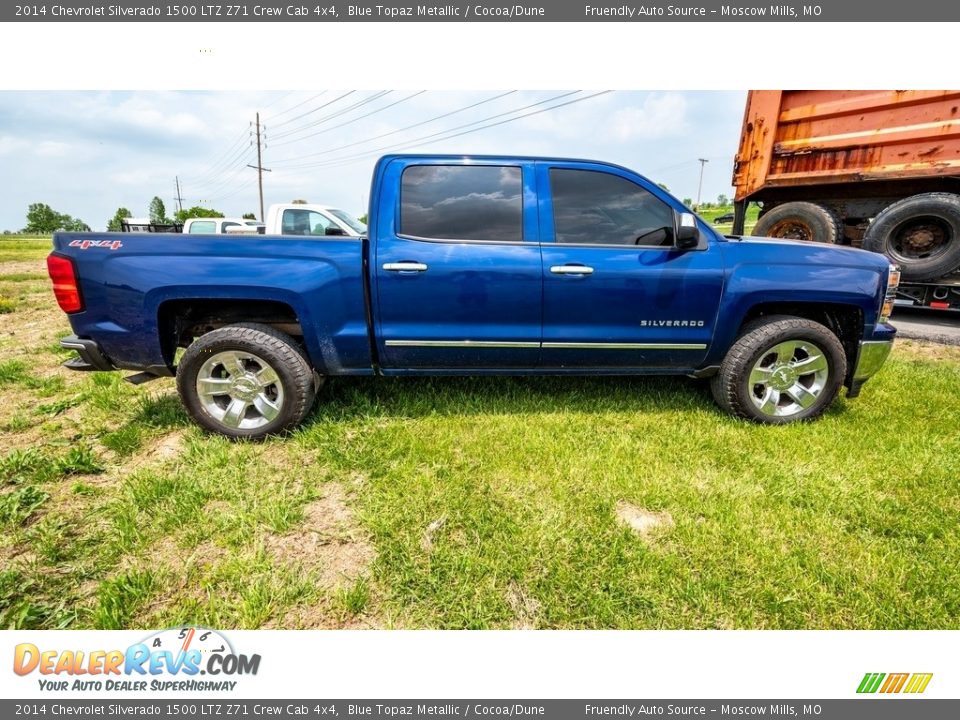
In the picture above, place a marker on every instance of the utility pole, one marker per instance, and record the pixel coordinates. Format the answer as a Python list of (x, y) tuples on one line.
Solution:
[(259, 167), (179, 197), (703, 162)]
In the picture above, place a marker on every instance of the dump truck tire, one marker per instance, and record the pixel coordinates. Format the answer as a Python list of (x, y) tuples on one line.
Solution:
[(800, 221), (920, 233)]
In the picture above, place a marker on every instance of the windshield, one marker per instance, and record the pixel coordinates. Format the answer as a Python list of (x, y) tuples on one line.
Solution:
[(348, 220)]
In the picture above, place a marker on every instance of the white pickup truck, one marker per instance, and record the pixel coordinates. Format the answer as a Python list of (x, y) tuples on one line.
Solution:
[(306, 219), (215, 226)]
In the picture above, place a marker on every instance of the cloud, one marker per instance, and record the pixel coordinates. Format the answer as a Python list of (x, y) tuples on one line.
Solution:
[(660, 115), (51, 148), (10, 145)]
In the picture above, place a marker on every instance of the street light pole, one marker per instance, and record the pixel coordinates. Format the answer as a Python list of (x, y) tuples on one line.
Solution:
[(703, 162)]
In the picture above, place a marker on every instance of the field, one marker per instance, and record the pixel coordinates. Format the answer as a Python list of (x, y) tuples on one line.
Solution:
[(708, 214), (469, 503)]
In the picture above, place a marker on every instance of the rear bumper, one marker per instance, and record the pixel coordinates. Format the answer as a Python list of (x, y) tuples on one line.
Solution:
[(870, 358), (91, 357)]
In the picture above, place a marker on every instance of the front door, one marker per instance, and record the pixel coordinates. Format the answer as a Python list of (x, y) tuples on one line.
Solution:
[(458, 280), (616, 293)]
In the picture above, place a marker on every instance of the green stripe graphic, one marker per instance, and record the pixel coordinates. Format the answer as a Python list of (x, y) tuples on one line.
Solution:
[(870, 682)]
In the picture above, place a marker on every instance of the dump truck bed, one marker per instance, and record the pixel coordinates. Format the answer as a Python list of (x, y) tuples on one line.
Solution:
[(802, 138)]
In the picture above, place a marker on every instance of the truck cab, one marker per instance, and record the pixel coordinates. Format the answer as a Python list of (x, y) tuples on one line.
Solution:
[(305, 219)]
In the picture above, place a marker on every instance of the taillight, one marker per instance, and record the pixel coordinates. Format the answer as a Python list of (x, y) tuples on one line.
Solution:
[(65, 286)]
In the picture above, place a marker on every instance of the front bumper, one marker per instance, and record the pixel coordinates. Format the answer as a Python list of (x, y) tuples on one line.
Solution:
[(873, 354), (870, 358)]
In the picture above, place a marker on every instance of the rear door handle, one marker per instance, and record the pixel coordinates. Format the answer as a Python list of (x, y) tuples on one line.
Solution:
[(405, 267), (571, 270)]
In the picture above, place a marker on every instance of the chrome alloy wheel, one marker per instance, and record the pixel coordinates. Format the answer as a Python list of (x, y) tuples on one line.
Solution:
[(788, 378), (239, 390)]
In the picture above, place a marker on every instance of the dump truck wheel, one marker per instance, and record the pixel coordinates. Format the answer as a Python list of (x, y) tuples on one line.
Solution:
[(920, 233), (800, 221)]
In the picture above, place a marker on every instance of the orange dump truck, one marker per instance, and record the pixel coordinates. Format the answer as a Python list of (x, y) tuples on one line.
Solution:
[(874, 169)]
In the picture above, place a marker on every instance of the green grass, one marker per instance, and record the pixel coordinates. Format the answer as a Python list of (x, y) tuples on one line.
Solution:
[(753, 210), (475, 503), (23, 247)]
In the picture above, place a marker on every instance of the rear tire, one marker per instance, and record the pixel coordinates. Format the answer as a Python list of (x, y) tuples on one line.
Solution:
[(920, 233), (800, 221), (781, 369), (246, 381)]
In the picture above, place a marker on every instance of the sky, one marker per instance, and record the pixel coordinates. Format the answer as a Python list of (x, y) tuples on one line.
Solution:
[(88, 153)]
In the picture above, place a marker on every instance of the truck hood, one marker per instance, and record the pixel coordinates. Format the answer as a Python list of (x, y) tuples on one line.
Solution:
[(844, 254), (778, 251)]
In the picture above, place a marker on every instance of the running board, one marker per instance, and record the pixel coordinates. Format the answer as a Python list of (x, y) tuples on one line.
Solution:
[(141, 378)]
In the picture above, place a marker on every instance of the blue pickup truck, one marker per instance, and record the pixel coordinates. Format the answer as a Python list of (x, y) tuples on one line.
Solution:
[(479, 265)]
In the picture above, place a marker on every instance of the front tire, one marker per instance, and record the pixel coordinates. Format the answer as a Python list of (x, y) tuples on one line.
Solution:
[(246, 381), (780, 370)]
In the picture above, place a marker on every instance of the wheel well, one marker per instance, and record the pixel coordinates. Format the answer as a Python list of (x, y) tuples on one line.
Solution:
[(180, 321), (845, 321)]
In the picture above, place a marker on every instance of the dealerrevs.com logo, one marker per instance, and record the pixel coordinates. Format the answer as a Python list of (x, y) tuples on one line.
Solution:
[(171, 659)]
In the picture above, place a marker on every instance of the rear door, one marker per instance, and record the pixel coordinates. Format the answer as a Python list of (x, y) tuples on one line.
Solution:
[(457, 271), (616, 292)]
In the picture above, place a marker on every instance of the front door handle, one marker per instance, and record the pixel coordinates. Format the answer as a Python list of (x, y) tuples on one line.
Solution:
[(571, 270), (405, 267)]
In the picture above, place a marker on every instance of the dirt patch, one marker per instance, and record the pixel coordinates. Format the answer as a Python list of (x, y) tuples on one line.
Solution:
[(30, 328), (329, 544), (162, 450), (525, 609), (23, 267), (918, 350), (645, 523), (168, 554)]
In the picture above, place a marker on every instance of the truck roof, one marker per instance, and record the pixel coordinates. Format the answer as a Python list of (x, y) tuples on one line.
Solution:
[(496, 158)]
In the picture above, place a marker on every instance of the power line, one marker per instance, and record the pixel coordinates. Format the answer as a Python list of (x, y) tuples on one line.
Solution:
[(294, 107), (238, 162), (225, 181), (319, 107), (234, 142), (417, 141), (331, 116), (353, 120), (224, 165), (394, 132), (275, 101), (220, 198)]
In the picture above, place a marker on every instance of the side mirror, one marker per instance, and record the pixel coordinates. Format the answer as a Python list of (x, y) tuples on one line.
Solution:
[(333, 230), (688, 234)]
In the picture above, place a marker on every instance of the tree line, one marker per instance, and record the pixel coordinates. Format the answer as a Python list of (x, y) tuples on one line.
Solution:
[(43, 219)]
